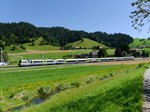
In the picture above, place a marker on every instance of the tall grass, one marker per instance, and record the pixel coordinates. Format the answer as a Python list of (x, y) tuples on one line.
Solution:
[(124, 98), (121, 93)]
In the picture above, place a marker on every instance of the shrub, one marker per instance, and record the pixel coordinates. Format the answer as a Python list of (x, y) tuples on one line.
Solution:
[(140, 65), (13, 48), (28, 97), (44, 90), (90, 81), (111, 75), (22, 47), (75, 84), (61, 87), (12, 95)]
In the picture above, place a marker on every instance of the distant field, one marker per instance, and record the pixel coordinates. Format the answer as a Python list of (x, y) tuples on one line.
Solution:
[(147, 49), (117, 92), (111, 51), (86, 43), (140, 42), (28, 46), (18, 49), (37, 46), (15, 59)]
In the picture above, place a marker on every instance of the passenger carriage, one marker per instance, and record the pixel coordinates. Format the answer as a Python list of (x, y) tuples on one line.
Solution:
[(37, 62)]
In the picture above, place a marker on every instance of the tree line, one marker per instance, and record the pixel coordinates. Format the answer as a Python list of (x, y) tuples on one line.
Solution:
[(23, 32)]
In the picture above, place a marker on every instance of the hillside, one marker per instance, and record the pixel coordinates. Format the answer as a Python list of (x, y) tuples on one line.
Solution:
[(37, 46), (28, 47), (140, 42), (22, 33), (86, 43)]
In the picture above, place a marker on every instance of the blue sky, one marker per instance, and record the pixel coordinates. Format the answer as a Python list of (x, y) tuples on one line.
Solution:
[(111, 16)]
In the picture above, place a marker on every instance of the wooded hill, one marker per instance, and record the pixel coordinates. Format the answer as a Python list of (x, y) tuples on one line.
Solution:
[(20, 33)]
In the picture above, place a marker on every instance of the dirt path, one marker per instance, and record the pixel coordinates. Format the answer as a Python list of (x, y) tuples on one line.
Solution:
[(40, 52), (146, 106)]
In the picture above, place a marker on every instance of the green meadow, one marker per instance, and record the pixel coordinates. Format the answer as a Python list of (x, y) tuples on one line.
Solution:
[(14, 60), (29, 46), (86, 43), (82, 88), (140, 42)]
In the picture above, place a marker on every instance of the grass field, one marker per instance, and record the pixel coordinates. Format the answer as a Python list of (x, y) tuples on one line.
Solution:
[(146, 50), (140, 42), (86, 43), (13, 60), (118, 94), (28, 46), (37, 46), (18, 49), (28, 81)]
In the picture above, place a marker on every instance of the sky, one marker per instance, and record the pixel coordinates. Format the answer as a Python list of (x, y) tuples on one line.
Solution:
[(111, 16)]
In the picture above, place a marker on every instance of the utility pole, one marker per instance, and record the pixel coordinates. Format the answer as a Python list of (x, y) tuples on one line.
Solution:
[(1, 55)]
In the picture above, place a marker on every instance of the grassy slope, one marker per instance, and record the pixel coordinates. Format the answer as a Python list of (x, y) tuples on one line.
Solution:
[(30, 79), (87, 43), (29, 47), (119, 94), (18, 49), (137, 42), (40, 47)]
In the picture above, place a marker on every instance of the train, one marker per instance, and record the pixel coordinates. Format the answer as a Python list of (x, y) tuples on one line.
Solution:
[(36, 62)]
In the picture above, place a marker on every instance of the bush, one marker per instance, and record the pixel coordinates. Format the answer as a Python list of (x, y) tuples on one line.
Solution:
[(89, 81), (111, 75), (61, 87), (28, 97), (22, 47), (140, 65), (44, 90), (12, 95), (13, 48), (75, 84)]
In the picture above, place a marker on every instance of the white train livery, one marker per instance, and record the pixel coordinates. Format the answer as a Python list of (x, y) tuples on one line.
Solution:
[(36, 62)]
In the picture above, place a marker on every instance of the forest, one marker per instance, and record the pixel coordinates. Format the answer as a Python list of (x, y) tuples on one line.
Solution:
[(23, 32)]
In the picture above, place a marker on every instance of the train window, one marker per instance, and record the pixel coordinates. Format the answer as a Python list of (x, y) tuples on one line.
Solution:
[(37, 61), (50, 61), (60, 60), (24, 61), (81, 60), (71, 60)]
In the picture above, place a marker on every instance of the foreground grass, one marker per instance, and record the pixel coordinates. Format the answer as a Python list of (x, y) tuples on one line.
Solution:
[(122, 93), (29, 80)]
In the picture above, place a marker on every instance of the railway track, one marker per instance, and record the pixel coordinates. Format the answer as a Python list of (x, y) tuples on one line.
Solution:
[(136, 61)]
